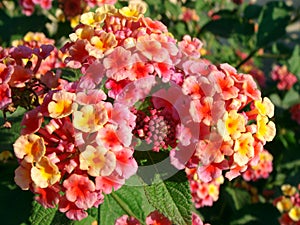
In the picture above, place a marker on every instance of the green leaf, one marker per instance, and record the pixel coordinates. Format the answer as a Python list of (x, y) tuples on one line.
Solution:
[(239, 197), (9, 135), (291, 98), (129, 200), (252, 11), (226, 13), (290, 136), (150, 157), (18, 26), (275, 98), (225, 27), (279, 179), (171, 197), (41, 215), (61, 219), (293, 62), (15, 207), (71, 74), (243, 220), (273, 20), (152, 2), (86, 221), (180, 29), (94, 213), (290, 165), (173, 9), (256, 214), (284, 141), (200, 5)]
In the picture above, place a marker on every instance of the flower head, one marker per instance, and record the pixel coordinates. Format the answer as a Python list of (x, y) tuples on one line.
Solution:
[(265, 129), (5, 96), (134, 11), (61, 104), (31, 147), (189, 14), (126, 220), (244, 150), (294, 213), (80, 190), (265, 107), (47, 197), (203, 193), (90, 118), (235, 124), (139, 87), (285, 79), (288, 205), (295, 113), (156, 218), (23, 175), (97, 161), (45, 173), (260, 169)]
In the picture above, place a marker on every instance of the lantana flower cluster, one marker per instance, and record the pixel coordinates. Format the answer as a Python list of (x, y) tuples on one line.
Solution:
[(295, 112), (155, 218), (70, 7), (203, 193), (235, 140), (28, 6), (140, 88), (289, 205), (260, 170), (25, 71), (283, 76)]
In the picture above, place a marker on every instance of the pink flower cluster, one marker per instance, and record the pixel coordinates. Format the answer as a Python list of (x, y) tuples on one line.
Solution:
[(213, 122), (82, 158), (73, 8), (260, 170), (140, 88), (5, 91), (203, 193), (69, 6), (28, 6), (238, 2), (285, 79), (295, 112), (188, 14), (25, 71), (289, 205), (231, 136), (154, 218)]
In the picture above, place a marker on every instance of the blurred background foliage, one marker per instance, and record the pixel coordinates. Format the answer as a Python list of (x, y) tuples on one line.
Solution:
[(252, 36)]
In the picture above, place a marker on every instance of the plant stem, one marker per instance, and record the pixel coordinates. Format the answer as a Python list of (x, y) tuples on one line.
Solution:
[(98, 216), (247, 58)]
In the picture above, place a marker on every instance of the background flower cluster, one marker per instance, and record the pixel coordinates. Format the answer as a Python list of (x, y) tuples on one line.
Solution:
[(86, 85)]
